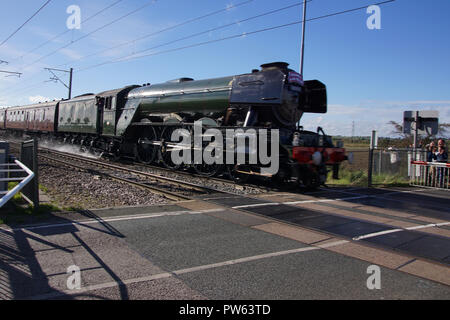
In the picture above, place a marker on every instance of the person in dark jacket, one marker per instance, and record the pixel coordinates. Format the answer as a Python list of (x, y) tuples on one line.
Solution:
[(431, 150), (442, 157)]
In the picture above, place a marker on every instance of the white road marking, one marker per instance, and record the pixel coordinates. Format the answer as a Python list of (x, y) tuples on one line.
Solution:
[(332, 244), (296, 202), (429, 225), (442, 224), (184, 271), (112, 219), (326, 200), (375, 234), (257, 205)]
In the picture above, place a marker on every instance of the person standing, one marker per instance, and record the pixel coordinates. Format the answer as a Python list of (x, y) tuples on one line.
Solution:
[(430, 170), (431, 152), (441, 157)]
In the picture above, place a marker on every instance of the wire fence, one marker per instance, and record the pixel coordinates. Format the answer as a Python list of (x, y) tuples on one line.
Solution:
[(389, 166)]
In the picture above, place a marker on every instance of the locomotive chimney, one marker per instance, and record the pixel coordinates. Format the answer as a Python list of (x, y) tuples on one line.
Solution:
[(274, 65)]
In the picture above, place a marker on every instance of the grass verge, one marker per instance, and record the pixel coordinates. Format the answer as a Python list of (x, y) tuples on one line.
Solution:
[(360, 178), (17, 210)]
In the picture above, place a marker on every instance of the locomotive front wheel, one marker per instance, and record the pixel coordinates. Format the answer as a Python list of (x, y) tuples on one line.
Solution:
[(145, 150), (311, 181)]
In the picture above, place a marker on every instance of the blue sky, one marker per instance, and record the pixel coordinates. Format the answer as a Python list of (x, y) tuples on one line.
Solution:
[(372, 76)]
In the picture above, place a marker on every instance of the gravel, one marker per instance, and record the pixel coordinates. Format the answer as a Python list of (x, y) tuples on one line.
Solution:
[(70, 188)]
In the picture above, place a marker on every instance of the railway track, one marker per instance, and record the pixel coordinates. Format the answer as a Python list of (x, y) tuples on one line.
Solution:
[(157, 180), (167, 187), (168, 194), (174, 189), (209, 179)]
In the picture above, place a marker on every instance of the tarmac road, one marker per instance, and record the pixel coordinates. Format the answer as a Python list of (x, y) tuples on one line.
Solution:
[(208, 250)]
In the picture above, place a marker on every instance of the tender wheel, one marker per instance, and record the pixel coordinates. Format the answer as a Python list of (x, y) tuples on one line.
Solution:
[(145, 149)]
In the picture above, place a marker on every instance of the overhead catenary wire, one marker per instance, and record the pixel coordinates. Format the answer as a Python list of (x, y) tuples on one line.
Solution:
[(92, 32), (23, 24), (68, 30), (98, 29), (146, 36), (57, 36), (133, 56), (217, 28), (229, 7)]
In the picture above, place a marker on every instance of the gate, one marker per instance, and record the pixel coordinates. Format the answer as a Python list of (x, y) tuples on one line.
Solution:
[(430, 174)]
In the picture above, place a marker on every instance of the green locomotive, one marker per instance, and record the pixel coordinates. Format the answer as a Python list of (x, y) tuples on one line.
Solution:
[(138, 121)]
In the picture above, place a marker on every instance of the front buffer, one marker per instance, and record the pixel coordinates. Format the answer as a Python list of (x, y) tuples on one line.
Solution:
[(312, 155)]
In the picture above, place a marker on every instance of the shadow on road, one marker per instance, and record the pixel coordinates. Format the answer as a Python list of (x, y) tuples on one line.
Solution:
[(22, 275)]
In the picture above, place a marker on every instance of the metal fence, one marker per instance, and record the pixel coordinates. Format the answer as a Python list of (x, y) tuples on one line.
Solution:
[(391, 166), (394, 162), (12, 170), (430, 174)]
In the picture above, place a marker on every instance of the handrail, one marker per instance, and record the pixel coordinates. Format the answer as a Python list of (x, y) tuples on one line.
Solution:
[(19, 187), (436, 164)]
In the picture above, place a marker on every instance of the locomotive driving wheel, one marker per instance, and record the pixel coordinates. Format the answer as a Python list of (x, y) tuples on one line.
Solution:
[(203, 168), (207, 170), (145, 149), (166, 149)]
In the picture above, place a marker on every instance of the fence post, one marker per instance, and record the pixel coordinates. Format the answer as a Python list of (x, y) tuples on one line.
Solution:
[(4, 157), (369, 170), (28, 156), (373, 145)]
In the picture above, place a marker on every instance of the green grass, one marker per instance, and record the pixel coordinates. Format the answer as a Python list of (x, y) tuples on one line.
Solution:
[(359, 178), (17, 210), (43, 188)]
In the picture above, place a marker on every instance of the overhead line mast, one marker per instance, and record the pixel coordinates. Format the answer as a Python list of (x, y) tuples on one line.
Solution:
[(11, 73), (302, 53), (55, 77)]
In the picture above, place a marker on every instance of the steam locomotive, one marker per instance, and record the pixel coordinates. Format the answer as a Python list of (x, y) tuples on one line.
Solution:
[(138, 121)]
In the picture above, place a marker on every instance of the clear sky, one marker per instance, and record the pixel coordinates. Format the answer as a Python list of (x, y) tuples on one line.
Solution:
[(372, 76)]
